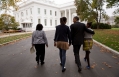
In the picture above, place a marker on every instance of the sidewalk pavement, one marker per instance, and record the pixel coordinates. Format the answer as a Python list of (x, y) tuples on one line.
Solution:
[(17, 61)]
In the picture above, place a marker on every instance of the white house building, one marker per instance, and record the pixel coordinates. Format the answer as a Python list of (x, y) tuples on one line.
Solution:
[(46, 12)]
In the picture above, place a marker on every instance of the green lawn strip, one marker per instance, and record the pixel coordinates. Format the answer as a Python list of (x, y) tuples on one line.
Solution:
[(115, 28), (12, 38), (109, 38)]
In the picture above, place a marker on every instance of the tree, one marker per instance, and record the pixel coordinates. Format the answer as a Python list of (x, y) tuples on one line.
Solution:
[(1, 24), (6, 4), (113, 3), (14, 24), (8, 21), (116, 20), (90, 10)]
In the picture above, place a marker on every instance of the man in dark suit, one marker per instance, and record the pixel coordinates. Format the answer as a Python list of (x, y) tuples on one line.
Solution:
[(77, 36)]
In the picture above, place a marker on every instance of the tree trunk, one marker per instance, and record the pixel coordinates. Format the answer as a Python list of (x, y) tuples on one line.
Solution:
[(97, 24), (97, 20)]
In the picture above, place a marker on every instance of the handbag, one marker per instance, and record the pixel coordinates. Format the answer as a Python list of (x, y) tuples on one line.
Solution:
[(32, 49)]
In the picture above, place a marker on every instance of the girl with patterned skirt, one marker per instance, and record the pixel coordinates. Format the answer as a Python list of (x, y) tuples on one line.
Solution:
[(88, 43)]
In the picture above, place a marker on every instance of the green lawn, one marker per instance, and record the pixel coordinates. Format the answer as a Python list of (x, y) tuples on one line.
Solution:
[(109, 38), (115, 28), (12, 38)]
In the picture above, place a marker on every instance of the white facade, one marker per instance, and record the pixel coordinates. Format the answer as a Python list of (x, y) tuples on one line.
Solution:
[(45, 12), (109, 21)]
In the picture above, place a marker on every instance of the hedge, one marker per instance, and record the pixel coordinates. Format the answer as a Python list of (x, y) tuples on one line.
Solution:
[(115, 26), (101, 26)]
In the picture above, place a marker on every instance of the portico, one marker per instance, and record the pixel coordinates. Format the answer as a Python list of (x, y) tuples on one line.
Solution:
[(68, 11), (27, 25)]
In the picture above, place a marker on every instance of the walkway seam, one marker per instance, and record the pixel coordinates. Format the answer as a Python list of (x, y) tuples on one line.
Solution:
[(110, 49)]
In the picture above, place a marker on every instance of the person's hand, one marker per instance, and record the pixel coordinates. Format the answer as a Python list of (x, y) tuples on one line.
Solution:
[(32, 45), (69, 44), (54, 43), (46, 45)]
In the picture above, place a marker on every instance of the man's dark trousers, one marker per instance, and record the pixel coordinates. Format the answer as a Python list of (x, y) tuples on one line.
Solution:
[(76, 49)]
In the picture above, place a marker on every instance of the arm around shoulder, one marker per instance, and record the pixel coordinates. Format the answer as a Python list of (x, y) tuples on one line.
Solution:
[(88, 30)]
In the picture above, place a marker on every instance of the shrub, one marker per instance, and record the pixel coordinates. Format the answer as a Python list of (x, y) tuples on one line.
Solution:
[(101, 26), (115, 26)]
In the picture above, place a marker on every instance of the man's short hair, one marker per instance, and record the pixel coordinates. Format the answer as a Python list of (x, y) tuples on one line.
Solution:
[(77, 18)]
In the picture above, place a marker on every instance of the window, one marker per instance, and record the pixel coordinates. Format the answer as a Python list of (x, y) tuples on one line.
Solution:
[(61, 14), (50, 12), (45, 22), (38, 10), (55, 22), (18, 15), (55, 13), (50, 22), (22, 14), (31, 10), (44, 11), (24, 26), (38, 21), (26, 12), (15, 15)]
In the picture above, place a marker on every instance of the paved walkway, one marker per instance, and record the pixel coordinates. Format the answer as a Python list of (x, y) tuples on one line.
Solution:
[(13, 34), (17, 61)]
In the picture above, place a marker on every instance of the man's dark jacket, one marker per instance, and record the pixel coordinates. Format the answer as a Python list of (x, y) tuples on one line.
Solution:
[(77, 33)]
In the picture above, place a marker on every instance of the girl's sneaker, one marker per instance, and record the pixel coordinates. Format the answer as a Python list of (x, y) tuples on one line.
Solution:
[(88, 67)]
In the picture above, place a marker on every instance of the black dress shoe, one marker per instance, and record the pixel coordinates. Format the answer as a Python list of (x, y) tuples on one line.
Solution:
[(42, 63), (38, 62), (61, 64), (64, 70), (84, 59), (79, 69)]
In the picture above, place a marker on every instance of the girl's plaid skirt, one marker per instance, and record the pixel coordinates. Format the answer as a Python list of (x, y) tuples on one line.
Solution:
[(87, 45)]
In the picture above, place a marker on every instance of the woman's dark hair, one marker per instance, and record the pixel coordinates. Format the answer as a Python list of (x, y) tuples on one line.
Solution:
[(39, 27), (89, 24), (63, 20)]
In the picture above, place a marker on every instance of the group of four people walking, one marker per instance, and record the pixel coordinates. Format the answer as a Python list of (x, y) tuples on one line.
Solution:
[(76, 35)]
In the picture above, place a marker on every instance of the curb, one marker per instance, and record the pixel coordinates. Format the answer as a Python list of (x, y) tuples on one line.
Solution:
[(110, 49), (14, 34), (13, 41)]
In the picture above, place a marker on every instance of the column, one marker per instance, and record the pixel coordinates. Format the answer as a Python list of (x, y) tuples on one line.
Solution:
[(65, 13), (69, 17)]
